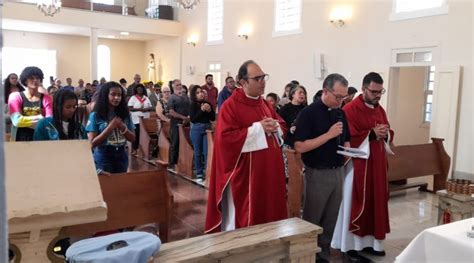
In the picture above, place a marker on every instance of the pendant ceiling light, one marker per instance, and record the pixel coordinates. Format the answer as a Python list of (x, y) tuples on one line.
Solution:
[(49, 7), (187, 4)]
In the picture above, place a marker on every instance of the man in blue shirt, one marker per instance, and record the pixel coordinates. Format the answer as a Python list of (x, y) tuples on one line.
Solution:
[(226, 91)]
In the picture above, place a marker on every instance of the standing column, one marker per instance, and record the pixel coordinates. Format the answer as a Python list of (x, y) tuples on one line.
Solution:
[(93, 46)]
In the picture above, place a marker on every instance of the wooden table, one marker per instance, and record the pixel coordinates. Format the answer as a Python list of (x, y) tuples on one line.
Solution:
[(290, 240)]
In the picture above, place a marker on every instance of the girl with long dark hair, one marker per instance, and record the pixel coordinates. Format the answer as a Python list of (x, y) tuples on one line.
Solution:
[(11, 85), (29, 106), (62, 125), (201, 115), (109, 128)]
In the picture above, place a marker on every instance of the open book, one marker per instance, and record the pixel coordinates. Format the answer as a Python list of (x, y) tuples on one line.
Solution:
[(353, 152), (362, 152)]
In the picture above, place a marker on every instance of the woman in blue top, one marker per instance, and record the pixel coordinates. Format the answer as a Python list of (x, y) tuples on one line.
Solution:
[(62, 125), (109, 128)]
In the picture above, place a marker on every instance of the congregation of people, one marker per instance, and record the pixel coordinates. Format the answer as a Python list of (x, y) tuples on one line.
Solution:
[(249, 169)]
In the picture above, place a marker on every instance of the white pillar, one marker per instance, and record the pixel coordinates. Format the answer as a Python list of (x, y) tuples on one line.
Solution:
[(94, 39)]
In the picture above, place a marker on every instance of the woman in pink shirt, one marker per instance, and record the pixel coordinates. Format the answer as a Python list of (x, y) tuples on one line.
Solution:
[(28, 107)]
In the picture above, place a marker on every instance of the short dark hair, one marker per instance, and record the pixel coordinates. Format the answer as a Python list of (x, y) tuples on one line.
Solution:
[(330, 80), (209, 75), (295, 82), (351, 90), (135, 88), (122, 81), (229, 77), (372, 77), (318, 95), (29, 72), (273, 96), (243, 70)]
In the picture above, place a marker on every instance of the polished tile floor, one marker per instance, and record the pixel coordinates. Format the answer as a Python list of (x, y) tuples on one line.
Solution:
[(410, 211)]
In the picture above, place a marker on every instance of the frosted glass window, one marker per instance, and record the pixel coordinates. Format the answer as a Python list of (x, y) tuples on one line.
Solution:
[(404, 57), (415, 5), (287, 15), (423, 56), (215, 21)]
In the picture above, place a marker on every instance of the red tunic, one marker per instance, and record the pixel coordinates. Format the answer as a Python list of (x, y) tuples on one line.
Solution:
[(369, 211), (212, 94), (257, 178)]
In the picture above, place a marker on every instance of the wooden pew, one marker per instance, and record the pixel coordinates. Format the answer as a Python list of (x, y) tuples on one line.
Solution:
[(412, 161), (409, 161), (210, 151), (163, 143), (148, 137), (295, 182), (290, 240), (184, 167), (132, 199)]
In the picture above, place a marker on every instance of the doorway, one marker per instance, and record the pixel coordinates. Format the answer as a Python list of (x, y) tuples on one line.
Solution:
[(410, 103)]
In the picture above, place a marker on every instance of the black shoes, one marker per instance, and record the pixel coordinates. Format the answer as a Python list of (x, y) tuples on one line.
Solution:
[(353, 257), (371, 251)]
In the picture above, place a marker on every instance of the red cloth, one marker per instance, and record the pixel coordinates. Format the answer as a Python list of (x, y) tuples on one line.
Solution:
[(212, 93), (257, 178), (369, 211)]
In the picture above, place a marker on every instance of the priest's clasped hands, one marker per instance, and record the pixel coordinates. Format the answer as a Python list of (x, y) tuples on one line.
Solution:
[(269, 125), (381, 131)]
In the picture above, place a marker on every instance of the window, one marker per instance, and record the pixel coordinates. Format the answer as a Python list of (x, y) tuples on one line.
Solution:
[(287, 17), (105, 2), (215, 22), (14, 60), (103, 62), (429, 95), (423, 56), (409, 9)]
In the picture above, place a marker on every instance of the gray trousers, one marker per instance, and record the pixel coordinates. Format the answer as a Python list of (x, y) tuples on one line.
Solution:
[(323, 196)]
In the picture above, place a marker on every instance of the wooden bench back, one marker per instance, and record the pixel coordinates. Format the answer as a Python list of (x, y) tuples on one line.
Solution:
[(419, 160), (132, 199), (295, 182), (150, 125), (186, 153)]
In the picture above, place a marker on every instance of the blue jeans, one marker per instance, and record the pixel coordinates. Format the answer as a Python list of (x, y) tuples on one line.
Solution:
[(199, 139), (111, 159)]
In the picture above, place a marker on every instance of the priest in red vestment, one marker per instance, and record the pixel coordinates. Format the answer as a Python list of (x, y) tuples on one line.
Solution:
[(368, 124), (247, 183)]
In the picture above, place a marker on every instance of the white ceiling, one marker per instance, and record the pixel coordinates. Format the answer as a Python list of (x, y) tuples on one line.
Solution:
[(30, 26)]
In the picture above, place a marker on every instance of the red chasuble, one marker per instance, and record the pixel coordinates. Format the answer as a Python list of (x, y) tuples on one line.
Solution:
[(257, 179), (369, 211)]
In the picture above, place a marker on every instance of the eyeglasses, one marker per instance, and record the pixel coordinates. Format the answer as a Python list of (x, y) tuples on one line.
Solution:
[(260, 78), (338, 97), (376, 92)]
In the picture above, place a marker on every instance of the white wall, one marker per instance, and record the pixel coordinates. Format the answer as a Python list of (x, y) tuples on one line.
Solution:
[(167, 57), (73, 54), (363, 45)]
